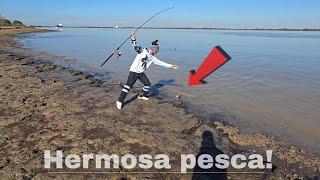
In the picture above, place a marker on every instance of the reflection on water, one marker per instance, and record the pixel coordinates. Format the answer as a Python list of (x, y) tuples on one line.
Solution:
[(271, 84)]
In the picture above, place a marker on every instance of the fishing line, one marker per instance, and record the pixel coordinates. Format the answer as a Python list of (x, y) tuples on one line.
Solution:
[(180, 92)]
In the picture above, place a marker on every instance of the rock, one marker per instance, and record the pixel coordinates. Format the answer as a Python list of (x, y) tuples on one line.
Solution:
[(90, 142), (74, 144), (76, 73), (42, 81), (59, 148), (24, 98), (35, 151), (88, 76), (295, 176)]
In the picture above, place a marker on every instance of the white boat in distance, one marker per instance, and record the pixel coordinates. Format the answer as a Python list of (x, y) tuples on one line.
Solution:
[(59, 25)]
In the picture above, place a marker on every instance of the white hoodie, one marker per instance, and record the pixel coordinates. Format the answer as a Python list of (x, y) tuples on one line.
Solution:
[(144, 59)]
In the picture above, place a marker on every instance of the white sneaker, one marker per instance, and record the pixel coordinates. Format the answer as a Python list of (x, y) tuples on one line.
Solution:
[(143, 98), (119, 105)]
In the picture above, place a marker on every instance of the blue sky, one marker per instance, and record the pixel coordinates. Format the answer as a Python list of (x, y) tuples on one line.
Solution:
[(195, 13)]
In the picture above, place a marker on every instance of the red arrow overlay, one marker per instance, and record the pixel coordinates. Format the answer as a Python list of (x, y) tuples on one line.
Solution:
[(216, 58)]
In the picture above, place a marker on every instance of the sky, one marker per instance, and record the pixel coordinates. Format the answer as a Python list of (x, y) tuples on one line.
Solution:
[(193, 13)]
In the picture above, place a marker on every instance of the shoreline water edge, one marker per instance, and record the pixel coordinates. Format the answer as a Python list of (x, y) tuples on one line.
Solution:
[(45, 106)]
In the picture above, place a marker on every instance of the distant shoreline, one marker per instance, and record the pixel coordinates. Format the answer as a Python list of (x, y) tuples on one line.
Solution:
[(192, 28)]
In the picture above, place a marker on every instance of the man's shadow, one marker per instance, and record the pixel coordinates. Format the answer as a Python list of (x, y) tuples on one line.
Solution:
[(154, 89), (208, 147)]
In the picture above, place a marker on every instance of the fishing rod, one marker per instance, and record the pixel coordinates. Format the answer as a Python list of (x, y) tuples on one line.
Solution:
[(135, 32)]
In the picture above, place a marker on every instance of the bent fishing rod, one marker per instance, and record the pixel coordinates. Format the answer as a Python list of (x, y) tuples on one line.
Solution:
[(135, 32)]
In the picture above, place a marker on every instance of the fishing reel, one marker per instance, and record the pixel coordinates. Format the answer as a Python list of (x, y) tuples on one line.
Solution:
[(118, 54)]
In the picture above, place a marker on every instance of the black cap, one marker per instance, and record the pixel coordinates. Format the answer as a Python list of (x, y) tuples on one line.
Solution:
[(155, 43)]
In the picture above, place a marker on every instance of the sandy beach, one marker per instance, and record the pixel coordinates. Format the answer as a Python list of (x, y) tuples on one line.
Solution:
[(44, 106)]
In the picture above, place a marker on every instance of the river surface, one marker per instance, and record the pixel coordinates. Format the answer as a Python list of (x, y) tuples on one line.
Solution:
[(272, 83)]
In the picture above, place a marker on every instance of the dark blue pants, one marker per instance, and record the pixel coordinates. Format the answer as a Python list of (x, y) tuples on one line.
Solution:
[(132, 78)]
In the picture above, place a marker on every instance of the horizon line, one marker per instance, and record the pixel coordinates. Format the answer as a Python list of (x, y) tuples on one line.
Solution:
[(194, 28)]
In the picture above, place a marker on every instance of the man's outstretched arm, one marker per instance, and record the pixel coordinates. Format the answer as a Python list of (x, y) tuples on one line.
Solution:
[(163, 64)]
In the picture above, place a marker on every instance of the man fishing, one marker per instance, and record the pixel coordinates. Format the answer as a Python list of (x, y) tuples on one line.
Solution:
[(143, 60)]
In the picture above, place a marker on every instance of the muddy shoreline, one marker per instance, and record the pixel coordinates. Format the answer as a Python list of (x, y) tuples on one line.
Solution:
[(45, 106)]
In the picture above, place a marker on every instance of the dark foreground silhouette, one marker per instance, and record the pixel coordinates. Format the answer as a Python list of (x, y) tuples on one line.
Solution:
[(208, 147)]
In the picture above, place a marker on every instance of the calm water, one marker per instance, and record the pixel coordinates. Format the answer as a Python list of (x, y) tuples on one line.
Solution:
[(271, 84)]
